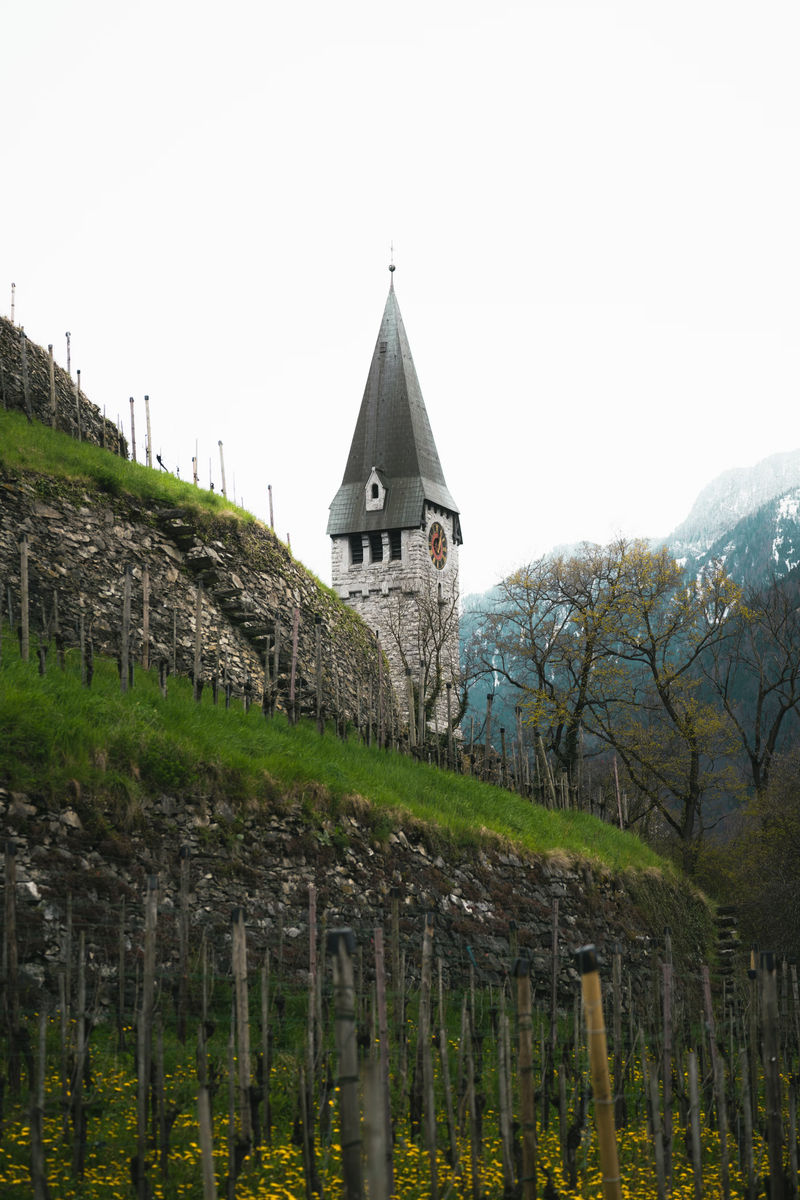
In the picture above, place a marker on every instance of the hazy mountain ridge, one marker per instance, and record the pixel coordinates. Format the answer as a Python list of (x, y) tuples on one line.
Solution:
[(731, 499)]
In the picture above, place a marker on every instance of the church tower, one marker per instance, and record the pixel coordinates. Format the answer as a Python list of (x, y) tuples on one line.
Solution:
[(395, 529)]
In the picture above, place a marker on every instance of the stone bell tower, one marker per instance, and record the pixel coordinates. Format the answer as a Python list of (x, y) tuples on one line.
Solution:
[(395, 529)]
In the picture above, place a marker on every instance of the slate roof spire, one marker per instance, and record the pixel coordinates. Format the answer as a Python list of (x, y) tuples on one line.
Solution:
[(393, 436)]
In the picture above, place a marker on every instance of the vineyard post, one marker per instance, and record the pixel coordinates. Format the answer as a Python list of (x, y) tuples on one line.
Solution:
[(504, 1098), (197, 686), (719, 1082), (26, 391), (148, 450), (77, 1108), (694, 1124), (52, 374), (133, 432), (121, 979), (293, 675), (312, 1032), (450, 755), (772, 1077), (265, 1045), (412, 733), (183, 929), (145, 619), (12, 968), (747, 1118), (318, 672), (145, 1035), (425, 1042), (381, 731), (124, 647), (472, 1107), (38, 1164), (383, 1093), (598, 1058), (377, 1139), (78, 405), (422, 729), (619, 1082), (650, 1079), (554, 986), (242, 1028), (340, 945), (487, 745), (666, 971), (24, 602), (204, 1118)]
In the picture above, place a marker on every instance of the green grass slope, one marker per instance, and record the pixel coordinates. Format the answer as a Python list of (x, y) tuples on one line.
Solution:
[(59, 740)]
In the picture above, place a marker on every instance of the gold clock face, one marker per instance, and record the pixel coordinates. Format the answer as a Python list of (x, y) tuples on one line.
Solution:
[(437, 545)]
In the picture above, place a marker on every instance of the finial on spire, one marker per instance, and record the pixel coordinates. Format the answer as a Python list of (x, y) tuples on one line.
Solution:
[(391, 257)]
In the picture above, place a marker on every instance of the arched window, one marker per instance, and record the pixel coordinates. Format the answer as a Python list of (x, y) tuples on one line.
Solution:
[(375, 491)]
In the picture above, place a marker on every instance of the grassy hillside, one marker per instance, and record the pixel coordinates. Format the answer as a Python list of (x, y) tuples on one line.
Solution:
[(61, 740), (30, 446), (58, 739)]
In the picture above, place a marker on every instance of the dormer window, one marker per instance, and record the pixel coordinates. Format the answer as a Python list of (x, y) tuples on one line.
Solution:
[(374, 492)]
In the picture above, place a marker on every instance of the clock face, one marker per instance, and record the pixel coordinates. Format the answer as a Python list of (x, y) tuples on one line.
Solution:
[(437, 545)]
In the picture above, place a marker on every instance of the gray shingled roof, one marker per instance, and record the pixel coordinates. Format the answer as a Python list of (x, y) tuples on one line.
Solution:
[(393, 434)]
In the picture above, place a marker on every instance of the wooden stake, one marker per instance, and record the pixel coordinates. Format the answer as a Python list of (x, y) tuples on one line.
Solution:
[(52, 367), (124, 655), (382, 1100), (242, 1028), (149, 446), (198, 642), (772, 1075), (133, 432), (145, 619), (293, 674), (24, 602), (598, 1057), (340, 945)]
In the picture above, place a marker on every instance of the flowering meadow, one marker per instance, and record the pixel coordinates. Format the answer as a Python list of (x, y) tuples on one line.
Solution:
[(88, 1150)]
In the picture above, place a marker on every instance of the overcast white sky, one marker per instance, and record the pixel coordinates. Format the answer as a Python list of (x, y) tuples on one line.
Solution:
[(595, 209)]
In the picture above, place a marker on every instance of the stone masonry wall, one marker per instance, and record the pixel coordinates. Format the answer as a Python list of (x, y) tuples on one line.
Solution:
[(81, 542), (25, 385), (488, 903)]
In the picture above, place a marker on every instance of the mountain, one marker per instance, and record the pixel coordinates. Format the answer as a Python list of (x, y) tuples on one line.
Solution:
[(726, 504)]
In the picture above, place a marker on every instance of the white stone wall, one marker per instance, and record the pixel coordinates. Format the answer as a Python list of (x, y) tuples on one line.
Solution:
[(388, 594)]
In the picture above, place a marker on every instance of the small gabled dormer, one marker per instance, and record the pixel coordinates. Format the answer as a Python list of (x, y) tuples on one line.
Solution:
[(375, 492)]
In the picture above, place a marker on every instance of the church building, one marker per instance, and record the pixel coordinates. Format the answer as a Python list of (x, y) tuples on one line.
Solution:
[(395, 531)]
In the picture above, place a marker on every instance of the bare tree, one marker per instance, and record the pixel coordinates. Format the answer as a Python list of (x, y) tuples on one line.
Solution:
[(756, 674)]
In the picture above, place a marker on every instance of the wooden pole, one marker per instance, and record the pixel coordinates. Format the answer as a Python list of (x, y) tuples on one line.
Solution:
[(271, 514), (598, 1058), (412, 733), (198, 642), (383, 1097), (487, 743), (124, 650), (145, 619), (145, 1033), (149, 446), (341, 944), (772, 1075), (318, 647), (24, 602), (239, 957), (222, 470), (52, 375), (133, 432), (427, 1060), (293, 672)]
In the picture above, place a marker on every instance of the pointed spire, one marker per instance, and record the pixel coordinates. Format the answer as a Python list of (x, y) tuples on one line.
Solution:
[(393, 435)]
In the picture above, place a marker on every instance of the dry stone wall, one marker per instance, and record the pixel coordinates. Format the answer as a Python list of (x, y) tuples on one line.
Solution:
[(80, 544), (25, 385), (488, 903)]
